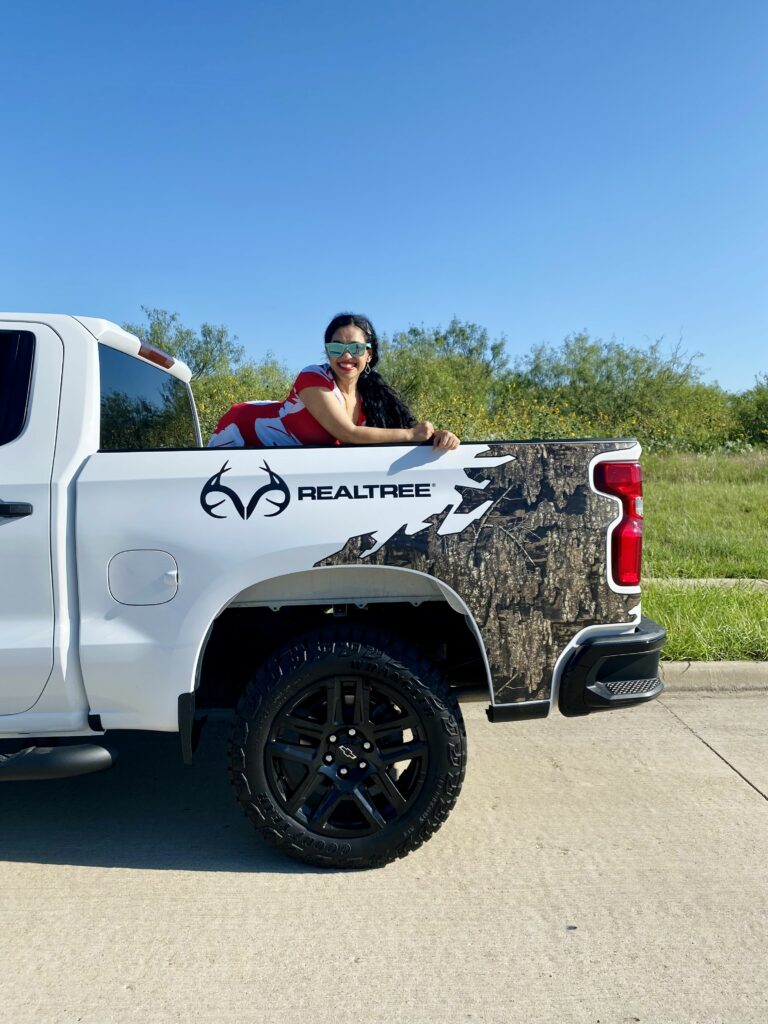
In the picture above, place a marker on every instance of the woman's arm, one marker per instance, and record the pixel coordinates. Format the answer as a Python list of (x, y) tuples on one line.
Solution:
[(333, 418)]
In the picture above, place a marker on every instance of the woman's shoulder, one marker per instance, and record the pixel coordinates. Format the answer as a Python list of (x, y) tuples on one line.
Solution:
[(317, 375)]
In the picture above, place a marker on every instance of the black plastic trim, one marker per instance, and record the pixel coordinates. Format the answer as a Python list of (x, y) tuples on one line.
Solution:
[(517, 712), (187, 725), (15, 509), (94, 722), (627, 441), (603, 660), (34, 764)]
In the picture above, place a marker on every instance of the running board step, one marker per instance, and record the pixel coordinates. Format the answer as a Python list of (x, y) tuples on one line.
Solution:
[(614, 693), (37, 763)]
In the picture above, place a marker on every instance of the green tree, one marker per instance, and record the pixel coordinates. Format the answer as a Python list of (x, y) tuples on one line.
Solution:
[(452, 369), (207, 352), (221, 374)]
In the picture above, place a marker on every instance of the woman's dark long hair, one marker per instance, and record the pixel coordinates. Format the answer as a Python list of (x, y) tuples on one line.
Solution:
[(382, 405)]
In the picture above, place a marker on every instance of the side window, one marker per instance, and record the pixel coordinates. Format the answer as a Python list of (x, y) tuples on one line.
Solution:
[(142, 406), (16, 354)]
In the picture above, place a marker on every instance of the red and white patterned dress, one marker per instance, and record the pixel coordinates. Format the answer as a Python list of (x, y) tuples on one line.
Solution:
[(280, 424)]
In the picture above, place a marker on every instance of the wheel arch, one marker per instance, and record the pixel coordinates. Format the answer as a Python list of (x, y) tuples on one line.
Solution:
[(356, 586)]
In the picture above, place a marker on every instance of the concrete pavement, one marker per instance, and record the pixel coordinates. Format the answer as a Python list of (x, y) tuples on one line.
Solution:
[(611, 869), (714, 676)]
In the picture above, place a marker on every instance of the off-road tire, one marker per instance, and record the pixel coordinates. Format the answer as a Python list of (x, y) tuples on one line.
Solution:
[(355, 660)]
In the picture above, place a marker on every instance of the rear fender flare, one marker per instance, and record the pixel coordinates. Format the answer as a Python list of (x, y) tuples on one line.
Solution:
[(334, 584)]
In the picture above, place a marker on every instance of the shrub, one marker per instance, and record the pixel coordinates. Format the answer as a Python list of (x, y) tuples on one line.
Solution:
[(460, 378), (617, 390), (751, 411)]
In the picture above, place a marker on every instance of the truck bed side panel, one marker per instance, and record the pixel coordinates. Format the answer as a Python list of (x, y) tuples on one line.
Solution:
[(167, 539), (532, 569)]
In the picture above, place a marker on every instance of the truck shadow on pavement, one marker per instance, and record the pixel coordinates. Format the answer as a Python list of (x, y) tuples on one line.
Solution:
[(148, 811)]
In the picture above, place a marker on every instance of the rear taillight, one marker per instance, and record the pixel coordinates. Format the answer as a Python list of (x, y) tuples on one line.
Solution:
[(624, 480)]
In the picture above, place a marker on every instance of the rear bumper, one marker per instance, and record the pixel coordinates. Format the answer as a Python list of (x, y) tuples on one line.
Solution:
[(606, 672)]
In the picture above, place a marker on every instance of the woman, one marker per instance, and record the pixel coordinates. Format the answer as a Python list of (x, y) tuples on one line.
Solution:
[(343, 401)]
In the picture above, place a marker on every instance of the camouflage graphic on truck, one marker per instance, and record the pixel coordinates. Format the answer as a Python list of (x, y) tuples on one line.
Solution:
[(531, 566)]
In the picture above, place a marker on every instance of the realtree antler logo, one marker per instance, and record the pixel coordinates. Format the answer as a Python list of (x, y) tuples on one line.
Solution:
[(276, 487)]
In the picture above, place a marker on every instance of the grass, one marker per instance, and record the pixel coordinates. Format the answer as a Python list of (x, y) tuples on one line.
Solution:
[(706, 516), (710, 623)]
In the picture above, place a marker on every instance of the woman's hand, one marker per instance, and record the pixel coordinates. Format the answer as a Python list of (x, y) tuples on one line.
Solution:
[(422, 432), (445, 439)]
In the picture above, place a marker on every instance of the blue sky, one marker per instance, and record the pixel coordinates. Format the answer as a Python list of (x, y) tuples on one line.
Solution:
[(536, 167)]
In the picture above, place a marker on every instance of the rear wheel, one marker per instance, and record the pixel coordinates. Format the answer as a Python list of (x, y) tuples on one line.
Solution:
[(347, 749)]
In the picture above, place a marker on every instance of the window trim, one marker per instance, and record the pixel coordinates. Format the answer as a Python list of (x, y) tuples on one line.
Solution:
[(33, 362)]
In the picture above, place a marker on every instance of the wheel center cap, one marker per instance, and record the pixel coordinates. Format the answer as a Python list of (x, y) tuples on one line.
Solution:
[(347, 752)]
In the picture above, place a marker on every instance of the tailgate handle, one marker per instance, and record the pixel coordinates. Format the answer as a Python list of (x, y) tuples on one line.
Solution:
[(15, 509)]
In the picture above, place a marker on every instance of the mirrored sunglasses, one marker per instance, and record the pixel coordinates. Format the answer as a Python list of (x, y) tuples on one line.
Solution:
[(355, 348)]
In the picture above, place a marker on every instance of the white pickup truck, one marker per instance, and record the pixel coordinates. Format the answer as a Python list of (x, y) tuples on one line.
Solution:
[(341, 600)]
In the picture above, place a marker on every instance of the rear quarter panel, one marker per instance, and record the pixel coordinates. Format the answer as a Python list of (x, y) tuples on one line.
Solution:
[(532, 568)]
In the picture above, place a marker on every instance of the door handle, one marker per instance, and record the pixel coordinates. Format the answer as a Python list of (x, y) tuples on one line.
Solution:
[(15, 509)]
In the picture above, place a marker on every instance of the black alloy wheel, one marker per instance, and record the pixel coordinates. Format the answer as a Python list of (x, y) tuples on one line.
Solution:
[(347, 756), (347, 749)]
